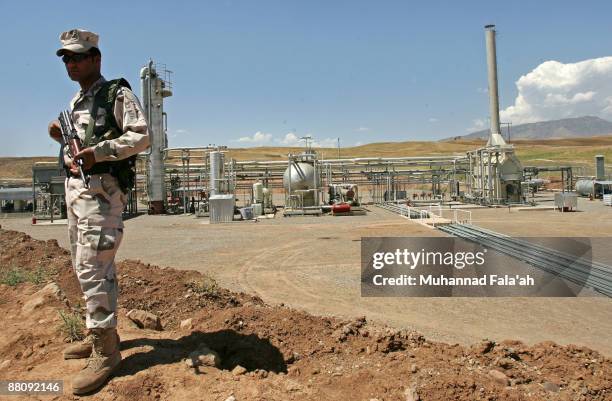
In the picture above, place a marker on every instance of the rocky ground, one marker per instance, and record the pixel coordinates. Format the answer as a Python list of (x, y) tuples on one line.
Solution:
[(218, 345)]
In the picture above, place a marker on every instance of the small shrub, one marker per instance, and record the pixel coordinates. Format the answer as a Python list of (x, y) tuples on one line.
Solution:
[(38, 276), (16, 275), (72, 326), (206, 285), (13, 277)]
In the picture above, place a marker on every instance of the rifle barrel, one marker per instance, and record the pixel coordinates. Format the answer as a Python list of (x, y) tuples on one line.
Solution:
[(70, 138)]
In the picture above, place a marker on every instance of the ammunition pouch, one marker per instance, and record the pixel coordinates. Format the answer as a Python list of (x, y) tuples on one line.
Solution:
[(123, 170)]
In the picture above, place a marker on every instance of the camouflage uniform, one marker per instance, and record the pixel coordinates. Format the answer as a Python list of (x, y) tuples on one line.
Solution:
[(94, 214)]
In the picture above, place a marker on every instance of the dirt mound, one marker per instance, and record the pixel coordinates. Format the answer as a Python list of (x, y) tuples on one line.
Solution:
[(285, 353)]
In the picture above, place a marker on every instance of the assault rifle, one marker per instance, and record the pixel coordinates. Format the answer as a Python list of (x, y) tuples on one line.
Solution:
[(70, 137)]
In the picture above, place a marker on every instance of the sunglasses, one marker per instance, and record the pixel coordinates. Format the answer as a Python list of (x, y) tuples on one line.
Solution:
[(77, 58)]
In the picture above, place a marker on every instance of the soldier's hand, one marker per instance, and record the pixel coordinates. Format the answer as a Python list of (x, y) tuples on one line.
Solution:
[(88, 157), (74, 169), (55, 130)]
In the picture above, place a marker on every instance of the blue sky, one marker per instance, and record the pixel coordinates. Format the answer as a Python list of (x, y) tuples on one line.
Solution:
[(363, 71)]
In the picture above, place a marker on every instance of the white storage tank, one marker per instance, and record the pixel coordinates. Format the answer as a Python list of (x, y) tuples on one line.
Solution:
[(585, 187), (221, 208), (267, 195), (301, 181), (216, 172), (258, 192), (300, 176)]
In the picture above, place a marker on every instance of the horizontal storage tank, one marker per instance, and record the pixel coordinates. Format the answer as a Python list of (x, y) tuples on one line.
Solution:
[(341, 208), (585, 187)]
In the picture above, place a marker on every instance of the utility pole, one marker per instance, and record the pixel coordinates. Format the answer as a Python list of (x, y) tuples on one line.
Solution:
[(338, 147), (508, 126), (308, 140)]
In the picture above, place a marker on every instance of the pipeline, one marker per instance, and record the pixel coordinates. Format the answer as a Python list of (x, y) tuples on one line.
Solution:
[(586, 273)]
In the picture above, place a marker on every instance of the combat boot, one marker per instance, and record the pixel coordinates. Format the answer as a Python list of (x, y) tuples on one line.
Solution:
[(105, 358), (79, 350), (82, 349)]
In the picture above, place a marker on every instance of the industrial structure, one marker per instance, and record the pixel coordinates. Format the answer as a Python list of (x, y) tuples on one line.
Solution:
[(48, 191), (495, 174), (598, 186), (204, 181), (156, 85), (491, 175)]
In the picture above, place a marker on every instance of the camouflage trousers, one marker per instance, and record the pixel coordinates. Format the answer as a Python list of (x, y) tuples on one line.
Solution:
[(95, 227)]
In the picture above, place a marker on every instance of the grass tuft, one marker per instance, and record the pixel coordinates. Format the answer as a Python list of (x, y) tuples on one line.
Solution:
[(15, 276), (72, 326), (12, 276)]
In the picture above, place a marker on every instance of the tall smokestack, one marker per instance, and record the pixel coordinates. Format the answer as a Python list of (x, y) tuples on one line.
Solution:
[(495, 138)]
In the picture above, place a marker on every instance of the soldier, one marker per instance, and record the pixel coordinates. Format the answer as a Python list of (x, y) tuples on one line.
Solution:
[(111, 125)]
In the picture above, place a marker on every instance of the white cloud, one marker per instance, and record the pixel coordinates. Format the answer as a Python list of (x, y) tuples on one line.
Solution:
[(433, 120), (477, 125), (362, 129), (257, 138), (326, 143), (358, 143), (291, 140), (556, 90), (560, 100)]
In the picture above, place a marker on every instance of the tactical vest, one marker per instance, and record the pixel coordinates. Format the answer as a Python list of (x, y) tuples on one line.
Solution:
[(124, 170)]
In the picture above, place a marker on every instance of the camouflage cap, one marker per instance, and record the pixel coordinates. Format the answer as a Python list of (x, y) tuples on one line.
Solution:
[(77, 41)]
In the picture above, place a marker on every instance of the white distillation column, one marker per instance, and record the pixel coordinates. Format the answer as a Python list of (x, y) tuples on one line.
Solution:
[(154, 90)]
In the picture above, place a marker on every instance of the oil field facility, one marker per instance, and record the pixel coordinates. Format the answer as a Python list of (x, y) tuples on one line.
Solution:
[(205, 182), (473, 267), (288, 227)]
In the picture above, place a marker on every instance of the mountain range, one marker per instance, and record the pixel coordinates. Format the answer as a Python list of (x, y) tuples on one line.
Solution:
[(565, 128)]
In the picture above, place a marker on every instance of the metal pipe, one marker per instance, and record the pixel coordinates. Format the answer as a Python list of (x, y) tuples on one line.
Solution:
[(489, 178), (387, 159), (449, 159), (578, 270), (145, 90), (211, 148)]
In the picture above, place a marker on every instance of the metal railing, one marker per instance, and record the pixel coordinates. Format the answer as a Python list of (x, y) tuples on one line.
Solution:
[(456, 216)]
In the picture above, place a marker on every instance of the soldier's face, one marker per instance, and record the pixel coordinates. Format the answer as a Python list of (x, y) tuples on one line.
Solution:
[(83, 68)]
